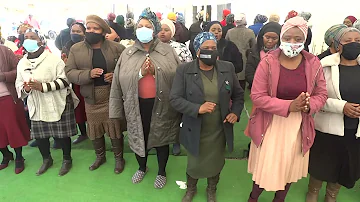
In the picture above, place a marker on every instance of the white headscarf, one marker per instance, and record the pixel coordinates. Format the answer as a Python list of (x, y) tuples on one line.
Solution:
[(241, 19)]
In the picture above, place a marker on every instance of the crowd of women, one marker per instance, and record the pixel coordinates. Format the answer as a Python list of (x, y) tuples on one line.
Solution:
[(305, 117)]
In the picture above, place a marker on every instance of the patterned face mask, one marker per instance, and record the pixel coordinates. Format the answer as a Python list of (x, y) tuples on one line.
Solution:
[(291, 49)]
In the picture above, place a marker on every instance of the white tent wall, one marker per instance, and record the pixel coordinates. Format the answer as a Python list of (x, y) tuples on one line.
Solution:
[(324, 14)]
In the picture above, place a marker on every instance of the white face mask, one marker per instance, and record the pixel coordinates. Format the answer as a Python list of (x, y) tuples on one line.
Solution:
[(291, 49)]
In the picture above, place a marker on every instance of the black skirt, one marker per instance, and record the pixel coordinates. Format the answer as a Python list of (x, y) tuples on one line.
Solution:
[(336, 159)]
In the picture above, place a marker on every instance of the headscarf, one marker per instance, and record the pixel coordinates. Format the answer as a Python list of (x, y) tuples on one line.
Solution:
[(208, 26), (351, 18), (357, 24), (268, 27), (172, 16), (260, 19), (151, 16), (291, 14), (130, 15), (226, 12), (97, 20), (230, 19), (159, 15), (201, 38), (111, 17), (180, 18), (332, 32), (70, 22), (306, 16), (341, 34), (241, 19), (295, 22), (274, 18), (170, 24), (39, 34), (120, 20)]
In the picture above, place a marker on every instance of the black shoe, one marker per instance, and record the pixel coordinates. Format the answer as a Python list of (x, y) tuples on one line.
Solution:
[(35, 143)]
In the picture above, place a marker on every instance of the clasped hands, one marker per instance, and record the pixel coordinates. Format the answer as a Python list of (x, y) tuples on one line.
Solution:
[(301, 103)]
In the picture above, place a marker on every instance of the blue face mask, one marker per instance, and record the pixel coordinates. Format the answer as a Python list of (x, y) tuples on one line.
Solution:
[(144, 34), (31, 46)]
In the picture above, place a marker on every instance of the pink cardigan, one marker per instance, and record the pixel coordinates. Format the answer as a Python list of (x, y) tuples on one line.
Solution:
[(263, 95)]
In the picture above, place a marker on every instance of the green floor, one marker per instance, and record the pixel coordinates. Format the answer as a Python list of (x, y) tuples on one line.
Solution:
[(82, 185)]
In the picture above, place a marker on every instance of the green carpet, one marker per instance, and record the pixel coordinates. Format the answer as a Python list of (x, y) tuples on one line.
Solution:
[(82, 185)]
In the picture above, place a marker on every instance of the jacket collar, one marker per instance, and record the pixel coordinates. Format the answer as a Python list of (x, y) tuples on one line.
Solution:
[(333, 60), (195, 69), (36, 61)]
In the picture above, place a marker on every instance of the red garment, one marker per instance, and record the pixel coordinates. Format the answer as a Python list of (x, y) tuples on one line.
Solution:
[(351, 18), (14, 130), (80, 113), (223, 23), (147, 87)]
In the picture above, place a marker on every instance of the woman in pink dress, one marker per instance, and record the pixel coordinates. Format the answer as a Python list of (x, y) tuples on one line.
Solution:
[(288, 88)]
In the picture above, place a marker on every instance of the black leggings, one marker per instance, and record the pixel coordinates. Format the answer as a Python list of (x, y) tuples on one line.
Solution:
[(6, 152), (146, 107), (82, 128), (44, 147)]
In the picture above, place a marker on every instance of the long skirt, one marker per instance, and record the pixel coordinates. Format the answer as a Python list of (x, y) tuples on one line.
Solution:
[(336, 159), (80, 113), (279, 159), (98, 119), (65, 127), (14, 130)]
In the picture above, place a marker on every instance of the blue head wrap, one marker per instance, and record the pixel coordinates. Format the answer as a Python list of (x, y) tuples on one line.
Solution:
[(151, 16), (201, 38)]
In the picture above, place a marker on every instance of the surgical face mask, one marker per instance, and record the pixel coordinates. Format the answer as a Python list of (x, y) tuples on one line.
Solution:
[(144, 34), (76, 38), (31, 46), (291, 49), (351, 51), (208, 57)]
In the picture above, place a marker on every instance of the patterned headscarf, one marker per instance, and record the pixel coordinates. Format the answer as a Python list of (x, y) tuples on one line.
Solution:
[(39, 34), (341, 34), (151, 16), (241, 19), (305, 15), (332, 32), (295, 22), (230, 19), (201, 38), (357, 24), (291, 14), (260, 19), (180, 18)]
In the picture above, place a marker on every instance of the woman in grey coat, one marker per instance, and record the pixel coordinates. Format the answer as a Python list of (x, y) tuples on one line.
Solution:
[(141, 88), (202, 91)]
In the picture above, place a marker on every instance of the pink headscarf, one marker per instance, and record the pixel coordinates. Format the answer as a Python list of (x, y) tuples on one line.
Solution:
[(295, 22), (351, 18)]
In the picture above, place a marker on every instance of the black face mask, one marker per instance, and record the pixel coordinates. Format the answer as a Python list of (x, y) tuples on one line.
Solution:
[(208, 57), (93, 38), (351, 51)]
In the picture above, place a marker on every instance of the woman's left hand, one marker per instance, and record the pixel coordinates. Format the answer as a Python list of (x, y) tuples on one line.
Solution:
[(231, 118), (108, 77), (306, 108), (35, 85)]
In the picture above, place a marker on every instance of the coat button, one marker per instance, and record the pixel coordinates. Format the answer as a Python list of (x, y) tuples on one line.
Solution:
[(158, 67), (189, 129), (262, 135), (157, 113), (195, 74), (160, 91), (308, 138)]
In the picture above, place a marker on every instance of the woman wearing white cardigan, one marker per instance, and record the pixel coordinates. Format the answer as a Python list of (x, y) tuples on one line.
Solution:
[(51, 102), (335, 155)]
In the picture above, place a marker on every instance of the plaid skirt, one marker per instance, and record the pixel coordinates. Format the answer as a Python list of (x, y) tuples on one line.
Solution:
[(65, 127)]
